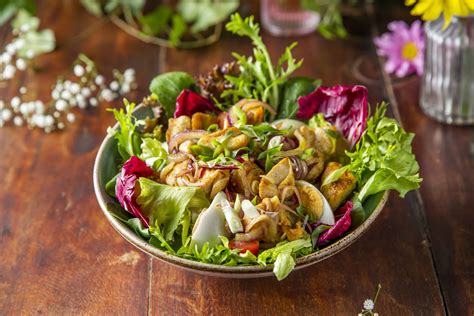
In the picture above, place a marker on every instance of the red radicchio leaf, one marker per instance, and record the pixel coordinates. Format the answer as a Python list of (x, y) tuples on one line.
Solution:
[(189, 102), (343, 106), (340, 227), (132, 169)]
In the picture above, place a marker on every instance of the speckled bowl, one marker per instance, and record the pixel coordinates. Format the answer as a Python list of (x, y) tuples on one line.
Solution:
[(105, 168)]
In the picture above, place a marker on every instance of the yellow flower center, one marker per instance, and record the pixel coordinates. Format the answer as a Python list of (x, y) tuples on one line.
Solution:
[(409, 51)]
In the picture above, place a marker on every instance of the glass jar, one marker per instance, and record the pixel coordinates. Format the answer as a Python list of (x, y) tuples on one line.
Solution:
[(287, 18), (447, 90)]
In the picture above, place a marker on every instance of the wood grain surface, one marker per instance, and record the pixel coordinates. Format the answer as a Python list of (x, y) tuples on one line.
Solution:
[(59, 256)]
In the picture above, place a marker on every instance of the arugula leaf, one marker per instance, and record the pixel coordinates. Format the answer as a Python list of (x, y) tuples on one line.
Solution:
[(165, 205), (127, 136), (168, 86), (383, 158), (259, 78), (292, 90), (205, 13), (157, 20)]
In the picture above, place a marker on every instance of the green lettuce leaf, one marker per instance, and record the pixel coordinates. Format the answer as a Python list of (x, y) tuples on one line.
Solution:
[(284, 264), (168, 86), (153, 153), (382, 159), (292, 90), (165, 205)]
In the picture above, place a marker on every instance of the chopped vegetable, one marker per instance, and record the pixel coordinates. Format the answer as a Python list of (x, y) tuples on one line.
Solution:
[(340, 227), (245, 246), (125, 188)]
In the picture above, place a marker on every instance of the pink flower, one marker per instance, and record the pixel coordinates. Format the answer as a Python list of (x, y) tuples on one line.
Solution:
[(403, 47)]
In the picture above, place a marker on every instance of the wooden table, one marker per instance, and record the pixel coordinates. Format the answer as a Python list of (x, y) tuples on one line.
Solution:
[(60, 256)]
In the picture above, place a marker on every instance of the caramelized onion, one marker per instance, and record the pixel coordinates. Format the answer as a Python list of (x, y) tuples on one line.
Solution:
[(180, 138)]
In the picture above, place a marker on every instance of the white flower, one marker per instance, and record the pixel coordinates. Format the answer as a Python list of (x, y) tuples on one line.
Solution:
[(75, 88), (81, 101), (9, 71), (78, 70), (11, 49), (39, 107), (38, 120), (15, 102), (55, 94), (60, 105), (66, 95), (125, 88), (18, 121), (71, 117), (48, 120), (31, 106), (30, 54), (19, 43), (20, 64), (99, 80), (6, 58), (129, 74), (2, 104), (6, 114), (23, 90), (107, 95), (368, 305), (85, 92), (60, 125), (93, 101), (114, 85), (56, 114)]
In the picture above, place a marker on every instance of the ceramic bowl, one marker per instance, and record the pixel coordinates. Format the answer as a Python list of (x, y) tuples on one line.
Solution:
[(105, 168)]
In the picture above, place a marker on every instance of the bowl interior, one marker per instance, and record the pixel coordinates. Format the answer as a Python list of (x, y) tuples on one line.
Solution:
[(107, 166)]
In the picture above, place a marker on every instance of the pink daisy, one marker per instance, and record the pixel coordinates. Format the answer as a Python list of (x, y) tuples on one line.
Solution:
[(403, 46)]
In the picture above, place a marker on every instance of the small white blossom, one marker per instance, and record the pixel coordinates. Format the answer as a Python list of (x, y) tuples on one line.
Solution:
[(56, 114), (55, 94), (9, 71), (48, 120), (66, 95), (129, 74), (2, 104), (38, 120), (15, 102), (78, 70), (39, 107), (125, 88), (6, 58), (60, 105), (18, 121), (71, 117), (85, 92), (60, 125), (31, 107), (19, 43), (368, 305), (6, 114), (93, 101), (75, 88), (11, 49), (114, 85), (107, 95), (99, 80), (30, 54), (24, 108), (22, 90), (20, 64)]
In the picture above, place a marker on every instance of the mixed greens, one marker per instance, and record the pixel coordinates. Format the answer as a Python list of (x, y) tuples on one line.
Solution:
[(247, 166)]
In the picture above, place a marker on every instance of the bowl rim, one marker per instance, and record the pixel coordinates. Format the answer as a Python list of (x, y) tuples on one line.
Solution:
[(207, 268)]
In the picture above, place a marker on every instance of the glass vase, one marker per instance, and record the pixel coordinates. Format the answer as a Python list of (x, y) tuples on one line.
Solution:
[(447, 91), (287, 18)]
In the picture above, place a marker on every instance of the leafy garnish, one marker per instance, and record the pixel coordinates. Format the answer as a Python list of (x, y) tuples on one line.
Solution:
[(292, 90), (259, 78), (127, 136), (154, 154), (168, 86), (382, 159)]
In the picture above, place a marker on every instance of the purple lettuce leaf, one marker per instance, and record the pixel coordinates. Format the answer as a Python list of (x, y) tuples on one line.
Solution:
[(190, 102), (340, 227), (132, 169), (343, 106)]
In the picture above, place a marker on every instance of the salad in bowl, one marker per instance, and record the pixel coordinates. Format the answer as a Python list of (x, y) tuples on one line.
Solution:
[(248, 166)]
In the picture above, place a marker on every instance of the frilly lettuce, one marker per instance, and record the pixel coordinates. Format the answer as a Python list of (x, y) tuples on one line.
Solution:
[(153, 153), (382, 159), (165, 205)]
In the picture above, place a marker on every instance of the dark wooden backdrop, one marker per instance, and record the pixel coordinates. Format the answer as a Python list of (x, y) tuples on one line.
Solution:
[(58, 254)]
